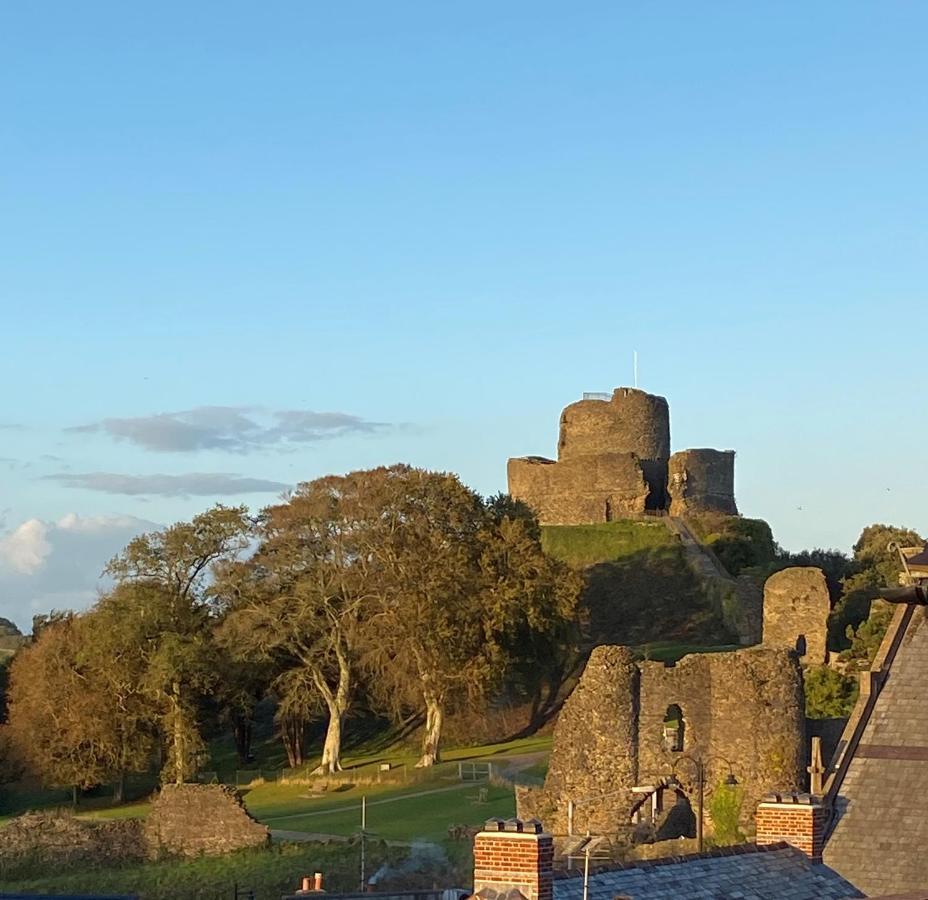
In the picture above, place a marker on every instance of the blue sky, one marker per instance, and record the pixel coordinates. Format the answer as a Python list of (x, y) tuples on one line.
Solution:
[(438, 225)]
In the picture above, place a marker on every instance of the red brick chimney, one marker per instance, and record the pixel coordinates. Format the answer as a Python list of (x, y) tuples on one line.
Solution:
[(798, 819), (514, 855)]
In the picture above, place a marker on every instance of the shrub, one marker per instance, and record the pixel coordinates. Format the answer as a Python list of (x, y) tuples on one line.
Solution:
[(829, 694), (725, 810)]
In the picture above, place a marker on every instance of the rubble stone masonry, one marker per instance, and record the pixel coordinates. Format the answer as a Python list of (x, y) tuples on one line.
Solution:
[(614, 462)]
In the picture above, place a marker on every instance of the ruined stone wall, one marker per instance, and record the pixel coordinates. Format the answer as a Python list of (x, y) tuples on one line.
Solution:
[(595, 746), (702, 481), (796, 609), (201, 819), (746, 706), (580, 491), (63, 841)]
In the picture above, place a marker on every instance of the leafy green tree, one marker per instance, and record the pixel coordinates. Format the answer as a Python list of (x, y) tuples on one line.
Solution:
[(834, 564), (867, 636), (829, 694), (453, 583), (295, 605), (162, 607), (743, 543), (725, 811), (12, 767), (874, 567), (540, 639), (67, 716), (4, 681)]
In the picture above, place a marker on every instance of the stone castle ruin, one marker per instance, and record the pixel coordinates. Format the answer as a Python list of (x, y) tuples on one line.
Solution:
[(614, 462), (629, 724)]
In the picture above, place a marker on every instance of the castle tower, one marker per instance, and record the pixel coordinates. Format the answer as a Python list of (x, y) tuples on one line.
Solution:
[(632, 421), (614, 462)]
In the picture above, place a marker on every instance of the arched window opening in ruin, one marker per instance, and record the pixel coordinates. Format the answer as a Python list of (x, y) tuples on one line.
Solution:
[(674, 727), (801, 645), (678, 820), (608, 510)]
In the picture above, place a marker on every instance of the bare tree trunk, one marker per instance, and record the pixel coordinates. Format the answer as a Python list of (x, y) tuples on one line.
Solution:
[(337, 702), (291, 733), (119, 788), (332, 749), (242, 733), (180, 749), (431, 743)]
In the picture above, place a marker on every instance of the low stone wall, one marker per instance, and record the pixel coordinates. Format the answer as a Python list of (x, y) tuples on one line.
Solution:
[(186, 820), (53, 841), (201, 819)]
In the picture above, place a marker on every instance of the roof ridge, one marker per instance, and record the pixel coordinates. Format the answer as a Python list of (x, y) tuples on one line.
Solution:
[(714, 853)]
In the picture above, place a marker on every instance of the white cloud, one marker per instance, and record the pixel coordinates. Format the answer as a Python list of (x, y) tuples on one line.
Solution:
[(58, 565), (235, 429), (24, 550), (200, 484)]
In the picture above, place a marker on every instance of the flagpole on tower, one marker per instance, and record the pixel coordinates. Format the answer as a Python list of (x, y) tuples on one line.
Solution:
[(636, 369)]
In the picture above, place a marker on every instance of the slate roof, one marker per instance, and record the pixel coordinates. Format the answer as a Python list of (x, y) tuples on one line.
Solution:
[(919, 560), (778, 872), (880, 827)]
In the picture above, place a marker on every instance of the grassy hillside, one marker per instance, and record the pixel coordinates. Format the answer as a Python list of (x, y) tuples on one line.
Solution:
[(639, 588), (584, 545)]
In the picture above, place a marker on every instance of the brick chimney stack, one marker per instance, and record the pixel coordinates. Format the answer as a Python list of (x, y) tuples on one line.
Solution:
[(798, 819), (513, 855)]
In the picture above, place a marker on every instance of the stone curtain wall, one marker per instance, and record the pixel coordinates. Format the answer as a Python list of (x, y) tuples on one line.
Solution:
[(595, 745), (613, 459), (746, 706), (796, 609), (201, 819), (580, 491), (702, 481)]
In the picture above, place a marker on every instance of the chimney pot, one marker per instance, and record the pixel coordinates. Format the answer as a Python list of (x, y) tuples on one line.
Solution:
[(532, 826)]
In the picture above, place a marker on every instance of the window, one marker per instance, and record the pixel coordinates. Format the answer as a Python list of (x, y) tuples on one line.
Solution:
[(674, 728)]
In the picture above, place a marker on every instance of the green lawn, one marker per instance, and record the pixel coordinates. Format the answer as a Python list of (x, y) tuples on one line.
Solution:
[(584, 545), (672, 651), (269, 872), (419, 803), (400, 815)]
